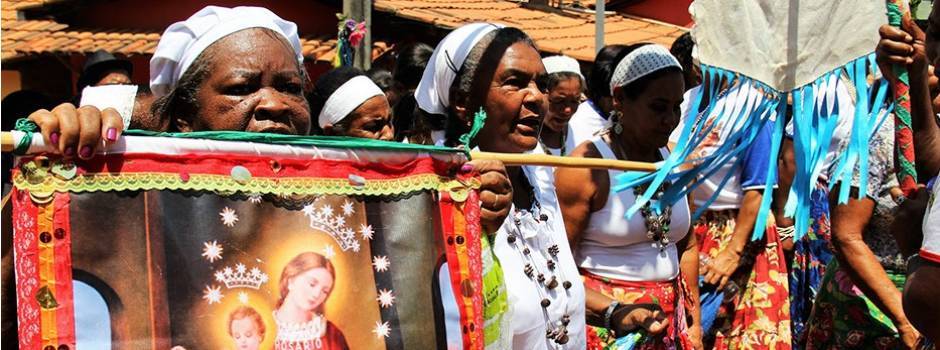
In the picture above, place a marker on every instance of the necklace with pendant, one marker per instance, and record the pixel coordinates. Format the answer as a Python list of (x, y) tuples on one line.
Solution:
[(657, 223)]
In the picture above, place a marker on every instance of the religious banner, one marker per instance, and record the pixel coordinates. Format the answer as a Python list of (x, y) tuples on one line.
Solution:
[(281, 242)]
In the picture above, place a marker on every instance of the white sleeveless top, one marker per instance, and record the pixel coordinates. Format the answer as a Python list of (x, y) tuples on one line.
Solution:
[(529, 318), (615, 247)]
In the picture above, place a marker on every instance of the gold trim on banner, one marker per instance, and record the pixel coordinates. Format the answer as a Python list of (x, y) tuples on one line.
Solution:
[(224, 184)]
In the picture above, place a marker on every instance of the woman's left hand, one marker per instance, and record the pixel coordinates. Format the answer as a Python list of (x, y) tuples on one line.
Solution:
[(718, 270), (909, 336), (495, 192), (695, 336)]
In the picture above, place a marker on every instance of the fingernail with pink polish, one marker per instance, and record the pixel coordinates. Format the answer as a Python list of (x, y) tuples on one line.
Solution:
[(85, 152), (54, 138), (466, 168), (111, 135)]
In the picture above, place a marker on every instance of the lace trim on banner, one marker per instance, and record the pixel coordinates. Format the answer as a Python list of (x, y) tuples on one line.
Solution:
[(222, 184)]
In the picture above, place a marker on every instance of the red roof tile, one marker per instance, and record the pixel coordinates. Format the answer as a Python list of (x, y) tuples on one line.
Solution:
[(31, 37), (23, 38)]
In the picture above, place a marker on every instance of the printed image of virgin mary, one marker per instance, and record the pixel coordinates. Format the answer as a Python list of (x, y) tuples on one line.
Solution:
[(305, 284)]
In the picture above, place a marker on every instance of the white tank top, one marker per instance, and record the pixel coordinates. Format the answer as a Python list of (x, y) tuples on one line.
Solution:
[(615, 247)]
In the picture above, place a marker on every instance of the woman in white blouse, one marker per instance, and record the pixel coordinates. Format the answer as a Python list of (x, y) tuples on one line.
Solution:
[(648, 258)]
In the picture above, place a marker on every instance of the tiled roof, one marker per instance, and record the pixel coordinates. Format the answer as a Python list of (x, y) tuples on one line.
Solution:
[(31, 37), (565, 32), (22, 38)]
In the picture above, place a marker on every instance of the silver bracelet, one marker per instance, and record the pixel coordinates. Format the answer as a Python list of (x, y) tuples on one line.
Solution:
[(610, 311)]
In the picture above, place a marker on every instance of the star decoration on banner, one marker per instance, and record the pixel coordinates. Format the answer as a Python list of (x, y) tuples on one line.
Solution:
[(243, 297), (328, 252), (229, 218), (212, 251), (380, 263), (326, 210), (212, 294), (386, 298), (348, 208), (381, 330), (255, 198), (309, 209), (366, 231)]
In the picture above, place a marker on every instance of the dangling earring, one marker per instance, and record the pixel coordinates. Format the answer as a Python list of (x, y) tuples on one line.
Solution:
[(617, 119)]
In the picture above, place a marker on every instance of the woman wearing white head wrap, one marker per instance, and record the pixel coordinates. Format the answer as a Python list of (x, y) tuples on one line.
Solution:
[(545, 297), (564, 85), (221, 69), (245, 61), (347, 103), (433, 92), (637, 260)]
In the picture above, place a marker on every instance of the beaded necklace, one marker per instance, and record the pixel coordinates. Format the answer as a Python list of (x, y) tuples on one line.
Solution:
[(657, 224), (549, 277), (564, 140)]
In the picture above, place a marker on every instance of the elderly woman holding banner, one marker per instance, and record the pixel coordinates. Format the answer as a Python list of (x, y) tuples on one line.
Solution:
[(231, 69), (484, 73)]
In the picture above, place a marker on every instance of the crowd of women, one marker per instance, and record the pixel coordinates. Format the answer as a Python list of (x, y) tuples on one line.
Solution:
[(564, 267)]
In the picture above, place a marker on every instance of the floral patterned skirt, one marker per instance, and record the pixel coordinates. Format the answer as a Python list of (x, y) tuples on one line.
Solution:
[(811, 254), (758, 315), (671, 296), (843, 318)]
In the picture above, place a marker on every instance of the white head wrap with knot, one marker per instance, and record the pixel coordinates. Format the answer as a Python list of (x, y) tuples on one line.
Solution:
[(641, 62), (433, 92), (561, 63), (347, 98), (182, 42)]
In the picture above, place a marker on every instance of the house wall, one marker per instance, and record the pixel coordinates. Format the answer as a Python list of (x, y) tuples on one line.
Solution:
[(670, 11), (312, 17)]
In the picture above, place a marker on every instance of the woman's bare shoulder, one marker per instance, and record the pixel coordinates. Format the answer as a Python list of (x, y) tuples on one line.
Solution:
[(586, 150)]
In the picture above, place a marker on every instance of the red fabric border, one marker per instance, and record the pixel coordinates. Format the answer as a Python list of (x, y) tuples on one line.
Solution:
[(464, 263), (471, 211), (261, 166), (64, 294), (930, 256), (26, 267)]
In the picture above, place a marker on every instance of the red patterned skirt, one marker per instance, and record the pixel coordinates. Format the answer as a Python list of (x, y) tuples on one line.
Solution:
[(758, 315), (671, 296)]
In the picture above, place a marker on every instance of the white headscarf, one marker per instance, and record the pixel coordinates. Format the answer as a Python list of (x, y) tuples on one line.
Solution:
[(561, 63), (641, 62), (433, 92), (182, 42), (347, 98)]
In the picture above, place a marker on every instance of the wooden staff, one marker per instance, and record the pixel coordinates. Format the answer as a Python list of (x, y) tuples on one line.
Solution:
[(568, 162), (507, 158), (6, 138)]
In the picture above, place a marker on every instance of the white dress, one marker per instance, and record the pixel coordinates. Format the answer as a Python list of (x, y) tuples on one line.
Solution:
[(930, 249), (530, 321), (584, 124)]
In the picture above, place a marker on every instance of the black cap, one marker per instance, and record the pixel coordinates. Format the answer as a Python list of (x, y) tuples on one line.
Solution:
[(99, 62)]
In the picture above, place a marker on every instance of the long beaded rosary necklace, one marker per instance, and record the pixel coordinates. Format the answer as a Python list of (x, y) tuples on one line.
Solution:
[(549, 278)]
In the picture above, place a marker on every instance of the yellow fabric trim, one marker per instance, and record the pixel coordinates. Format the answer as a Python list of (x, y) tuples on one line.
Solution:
[(225, 184), (46, 254)]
